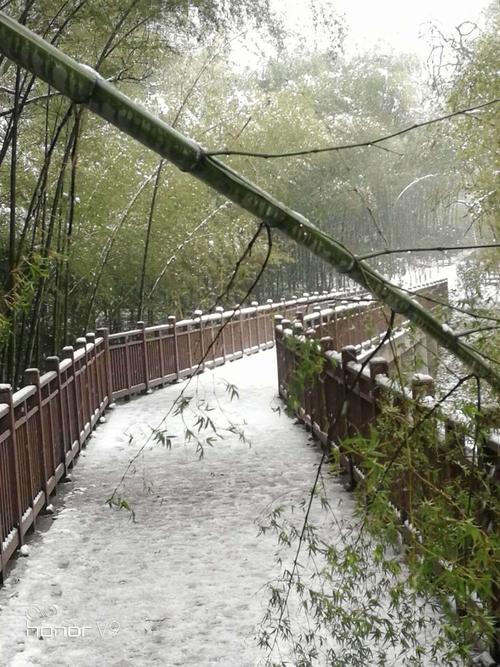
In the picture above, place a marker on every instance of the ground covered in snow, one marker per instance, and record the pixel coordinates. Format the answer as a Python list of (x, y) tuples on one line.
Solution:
[(184, 583)]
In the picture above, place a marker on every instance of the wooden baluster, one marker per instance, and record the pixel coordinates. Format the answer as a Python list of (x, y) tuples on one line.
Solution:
[(81, 344), (173, 326), (32, 377), (103, 332), (378, 366), (144, 353), (199, 362), (222, 331), (255, 304), (52, 364), (92, 373), (268, 322), (69, 353), (347, 420), (128, 369), (13, 459), (240, 322)]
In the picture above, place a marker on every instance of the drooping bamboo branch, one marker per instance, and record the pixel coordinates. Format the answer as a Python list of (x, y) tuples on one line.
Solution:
[(84, 86)]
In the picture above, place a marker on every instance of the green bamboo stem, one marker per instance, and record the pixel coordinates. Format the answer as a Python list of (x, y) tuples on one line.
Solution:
[(84, 86)]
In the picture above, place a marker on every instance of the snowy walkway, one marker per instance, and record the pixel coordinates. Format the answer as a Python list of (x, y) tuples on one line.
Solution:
[(184, 584)]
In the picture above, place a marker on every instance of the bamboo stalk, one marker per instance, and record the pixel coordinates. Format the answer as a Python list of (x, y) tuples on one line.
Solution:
[(84, 86)]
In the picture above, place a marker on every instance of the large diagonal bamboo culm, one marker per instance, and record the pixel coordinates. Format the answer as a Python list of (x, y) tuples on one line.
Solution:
[(86, 87)]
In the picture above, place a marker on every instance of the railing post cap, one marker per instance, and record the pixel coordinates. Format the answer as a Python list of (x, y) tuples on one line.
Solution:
[(378, 366), (90, 336), (278, 319), (348, 354), (254, 304), (219, 309), (326, 343), (270, 302), (422, 385), (5, 387), (171, 318), (32, 376), (52, 363)]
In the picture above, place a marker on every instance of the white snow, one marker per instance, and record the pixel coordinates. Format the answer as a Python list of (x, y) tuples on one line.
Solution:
[(184, 584)]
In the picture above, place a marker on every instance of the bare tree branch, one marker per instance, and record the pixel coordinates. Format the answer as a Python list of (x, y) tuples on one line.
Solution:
[(361, 144), (440, 248)]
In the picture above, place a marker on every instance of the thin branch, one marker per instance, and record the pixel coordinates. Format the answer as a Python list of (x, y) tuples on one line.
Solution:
[(184, 242), (469, 332), (432, 299), (325, 454), (32, 100), (440, 248), (198, 367), (361, 144), (247, 252)]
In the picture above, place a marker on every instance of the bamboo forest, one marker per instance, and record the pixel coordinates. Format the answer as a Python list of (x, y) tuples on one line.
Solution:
[(249, 333)]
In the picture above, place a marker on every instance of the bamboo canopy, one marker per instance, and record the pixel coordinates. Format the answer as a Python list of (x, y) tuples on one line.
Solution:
[(85, 86)]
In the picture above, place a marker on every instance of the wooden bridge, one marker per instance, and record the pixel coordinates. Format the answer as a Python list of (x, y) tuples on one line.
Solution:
[(45, 424)]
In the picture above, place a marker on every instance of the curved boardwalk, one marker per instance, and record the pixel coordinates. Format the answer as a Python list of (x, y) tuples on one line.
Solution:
[(183, 585)]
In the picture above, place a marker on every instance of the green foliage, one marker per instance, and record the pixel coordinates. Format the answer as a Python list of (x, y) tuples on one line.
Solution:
[(348, 602), (310, 361), (448, 500)]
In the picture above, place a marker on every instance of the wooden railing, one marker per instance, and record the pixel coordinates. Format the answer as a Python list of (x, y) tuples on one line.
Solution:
[(363, 320), (44, 425), (345, 399)]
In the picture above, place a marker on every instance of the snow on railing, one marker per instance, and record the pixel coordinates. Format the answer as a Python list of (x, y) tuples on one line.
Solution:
[(45, 424), (345, 398)]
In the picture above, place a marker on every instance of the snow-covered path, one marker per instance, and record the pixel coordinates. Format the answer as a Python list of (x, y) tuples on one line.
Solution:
[(183, 585)]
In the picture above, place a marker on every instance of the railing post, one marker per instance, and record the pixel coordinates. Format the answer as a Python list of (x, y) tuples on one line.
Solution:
[(6, 397), (145, 362), (200, 362), (268, 320), (422, 385), (32, 377), (240, 321), (173, 324), (69, 353), (378, 366), (317, 310), (222, 330), (255, 304), (347, 427), (81, 344), (108, 376), (52, 364), (92, 372)]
